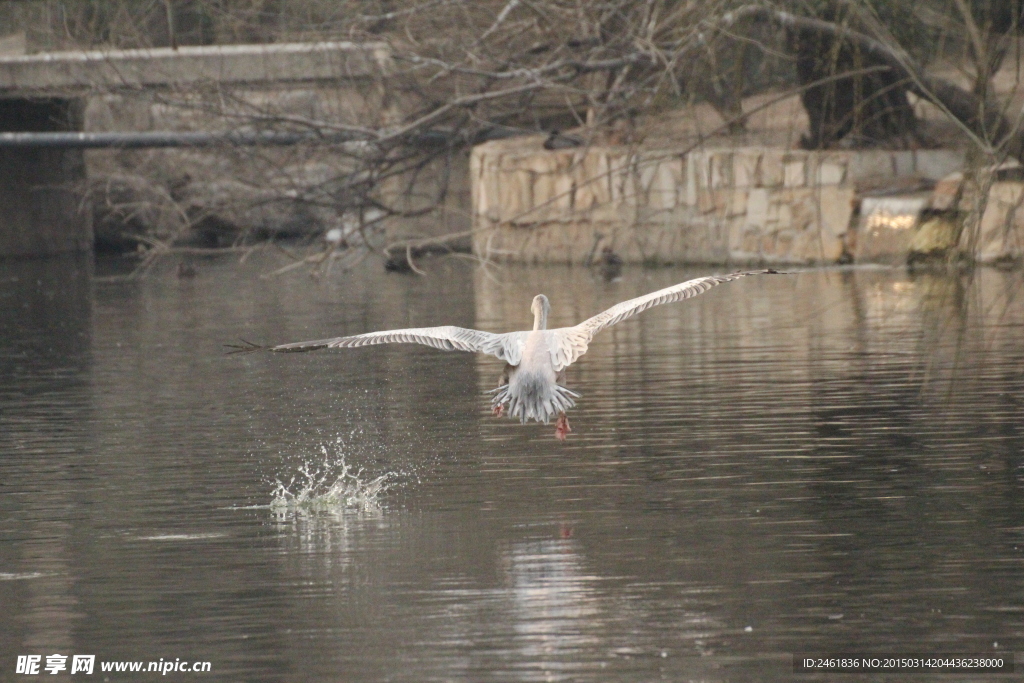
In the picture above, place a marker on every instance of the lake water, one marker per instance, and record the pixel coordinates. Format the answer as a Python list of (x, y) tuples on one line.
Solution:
[(824, 462)]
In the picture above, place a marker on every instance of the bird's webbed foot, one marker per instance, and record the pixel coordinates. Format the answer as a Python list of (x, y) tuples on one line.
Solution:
[(562, 427), (498, 409)]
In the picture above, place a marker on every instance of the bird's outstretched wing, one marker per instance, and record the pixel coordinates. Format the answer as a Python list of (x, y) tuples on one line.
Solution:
[(572, 342), (507, 347)]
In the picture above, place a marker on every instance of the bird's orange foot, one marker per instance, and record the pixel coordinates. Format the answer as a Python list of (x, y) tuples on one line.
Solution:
[(562, 427), (498, 410)]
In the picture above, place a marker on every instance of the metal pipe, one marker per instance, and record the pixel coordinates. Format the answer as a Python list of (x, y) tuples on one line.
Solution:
[(138, 140), (149, 139)]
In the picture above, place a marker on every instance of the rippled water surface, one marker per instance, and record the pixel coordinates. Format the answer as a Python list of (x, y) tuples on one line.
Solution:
[(829, 461)]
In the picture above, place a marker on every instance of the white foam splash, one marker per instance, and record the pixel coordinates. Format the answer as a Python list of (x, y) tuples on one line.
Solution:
[(328, 487)]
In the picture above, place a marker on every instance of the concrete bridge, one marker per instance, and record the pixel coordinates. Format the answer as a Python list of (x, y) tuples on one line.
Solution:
[(47, 93)]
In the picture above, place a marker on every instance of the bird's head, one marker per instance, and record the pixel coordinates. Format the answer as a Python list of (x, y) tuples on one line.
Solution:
[(540, 308)]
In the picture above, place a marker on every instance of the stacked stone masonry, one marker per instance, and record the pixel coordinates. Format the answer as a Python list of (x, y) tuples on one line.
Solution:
[(732, 205), (1000, 236)]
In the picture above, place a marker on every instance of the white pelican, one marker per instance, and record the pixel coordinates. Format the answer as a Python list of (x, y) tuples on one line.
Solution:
[(532, 384)]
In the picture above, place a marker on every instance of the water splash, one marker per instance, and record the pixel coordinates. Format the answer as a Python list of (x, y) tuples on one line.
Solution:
[(328, 487)]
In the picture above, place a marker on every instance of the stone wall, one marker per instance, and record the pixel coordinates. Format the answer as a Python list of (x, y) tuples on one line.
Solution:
[(711, 205), (1000, 233)]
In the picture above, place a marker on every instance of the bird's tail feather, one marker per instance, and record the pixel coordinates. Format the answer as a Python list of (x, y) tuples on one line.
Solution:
[(534, 402)]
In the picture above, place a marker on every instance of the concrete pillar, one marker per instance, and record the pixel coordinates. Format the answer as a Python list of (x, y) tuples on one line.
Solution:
[(40, 212)]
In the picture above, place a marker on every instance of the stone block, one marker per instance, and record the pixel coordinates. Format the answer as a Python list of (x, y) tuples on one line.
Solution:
[(646, 172), (744, 167), (757, 207), (802, 247), (804, 209), (689, 196), (750, 243), (542, 194), (721, 170), (903, 164), (936, 164), (662, 191), (564, 199), (869, 164), (830, 173), (609, 213), (783, 216), (650, 182), (482, 203), (736, 202), (1002, 225), (1004, 200), (794, 173), (706, 201), (946, 191), (542, 164), (478, 183), (618, 175), (516, 197), (835, 209), (540, 172), (782, 245), (771, 171), (593, 180), (702, 161), (772, 214), (625, 189)]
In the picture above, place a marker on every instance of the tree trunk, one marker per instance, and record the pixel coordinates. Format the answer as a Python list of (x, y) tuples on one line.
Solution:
[(982, 118)]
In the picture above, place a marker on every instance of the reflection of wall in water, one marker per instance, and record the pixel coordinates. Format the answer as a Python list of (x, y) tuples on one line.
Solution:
[(911, 453), (41, 208), (45, 398)]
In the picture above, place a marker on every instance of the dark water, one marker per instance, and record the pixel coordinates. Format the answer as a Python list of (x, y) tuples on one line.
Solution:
[(824, 462)]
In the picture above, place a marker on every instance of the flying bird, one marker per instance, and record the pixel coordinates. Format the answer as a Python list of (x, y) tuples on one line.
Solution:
[(532, 385)]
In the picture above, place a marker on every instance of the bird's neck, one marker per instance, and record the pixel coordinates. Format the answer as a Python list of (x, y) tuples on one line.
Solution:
[(540, 320)]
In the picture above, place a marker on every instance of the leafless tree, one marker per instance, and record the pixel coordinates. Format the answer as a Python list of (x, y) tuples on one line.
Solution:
[(465, 71)]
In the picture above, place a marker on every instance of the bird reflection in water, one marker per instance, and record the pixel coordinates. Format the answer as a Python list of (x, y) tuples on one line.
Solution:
[(555, 607)]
